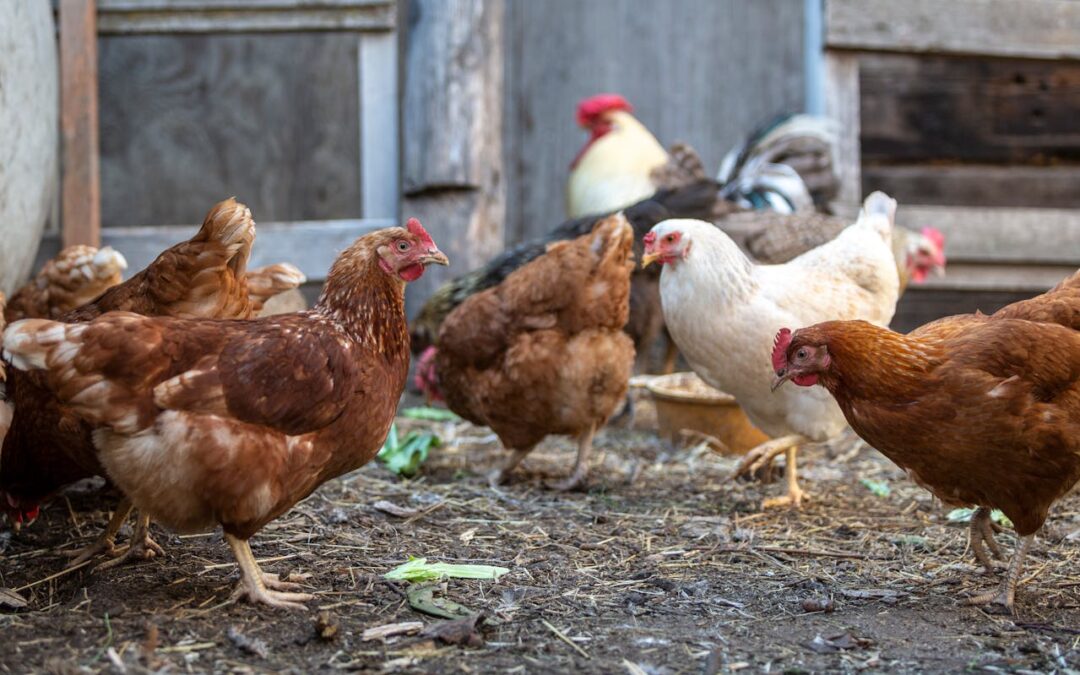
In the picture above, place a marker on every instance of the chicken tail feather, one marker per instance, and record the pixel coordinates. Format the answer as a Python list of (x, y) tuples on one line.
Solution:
[(231, 224)]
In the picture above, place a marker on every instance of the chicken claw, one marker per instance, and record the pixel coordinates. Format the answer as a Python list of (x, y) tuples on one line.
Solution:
[(257, 586), (982, 537), (795, 494), (1002, 600), (141, 546), (106, 543), (763, 454)]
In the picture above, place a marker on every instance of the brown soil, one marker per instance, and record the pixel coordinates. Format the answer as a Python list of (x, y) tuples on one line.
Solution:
[(659, 566)]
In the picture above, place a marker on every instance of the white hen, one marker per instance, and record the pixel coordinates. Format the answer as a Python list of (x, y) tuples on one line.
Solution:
[(723, 311)]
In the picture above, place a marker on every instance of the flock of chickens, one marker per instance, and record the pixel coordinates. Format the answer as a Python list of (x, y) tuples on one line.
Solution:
[(204, 414)]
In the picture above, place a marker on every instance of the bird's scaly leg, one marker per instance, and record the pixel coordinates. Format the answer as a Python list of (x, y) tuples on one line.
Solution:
[(499, 476), (106, 543), (1005, 595), (255, 586), (763, 454), (982, 537), (141, 546), (794, 495), (581, 466)]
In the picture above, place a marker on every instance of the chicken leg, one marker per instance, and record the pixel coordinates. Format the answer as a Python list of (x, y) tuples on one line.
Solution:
[(763, 454), (982, 537), (1005, 594), (499, 476), (581, 466), (106, 543), (141, 546), (257, 586)]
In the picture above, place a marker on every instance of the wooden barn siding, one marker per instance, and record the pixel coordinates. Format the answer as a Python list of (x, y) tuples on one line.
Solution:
[(187, 120), (701, 71)]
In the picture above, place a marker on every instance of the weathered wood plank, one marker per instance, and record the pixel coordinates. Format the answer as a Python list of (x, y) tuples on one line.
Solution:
[(1001, 277), (81, 202), (842, 105), (1001, 235), (1037, 29), (699, 71), (452, 136), (310, 245), (379, 124), (189, 120), (935, 109), (205, 16), (977, 184)]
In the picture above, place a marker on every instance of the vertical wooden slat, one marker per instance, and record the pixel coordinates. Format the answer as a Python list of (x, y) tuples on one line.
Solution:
[(842, 105), (378, 72), (81, 206)]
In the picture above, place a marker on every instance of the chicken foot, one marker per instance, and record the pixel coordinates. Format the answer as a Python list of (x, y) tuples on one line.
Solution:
[(257, 586), (141, 546), (106, 543), (499, 476), (1005, 595), (763, 454), (982, 538), (581, 465)]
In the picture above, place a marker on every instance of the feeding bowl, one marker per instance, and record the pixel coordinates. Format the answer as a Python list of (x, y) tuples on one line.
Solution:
[(684, 402)]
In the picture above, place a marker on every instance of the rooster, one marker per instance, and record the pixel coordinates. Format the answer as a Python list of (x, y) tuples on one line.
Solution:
[(718, 305), (46, 446), (983, 411), (209, 422), (619, 163), (543, 352), (76, 276)]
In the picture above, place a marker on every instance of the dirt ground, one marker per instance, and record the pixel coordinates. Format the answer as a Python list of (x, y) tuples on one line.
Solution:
[(660, 565)]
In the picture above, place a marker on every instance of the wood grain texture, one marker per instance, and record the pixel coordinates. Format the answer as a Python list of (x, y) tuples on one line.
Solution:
[(976, 184), (205, 16), (842, 103), (921, 305), (188, 120), (700, 71), (934, 109), (1038, 29), (973, 234), (81, 201), (452, 176)]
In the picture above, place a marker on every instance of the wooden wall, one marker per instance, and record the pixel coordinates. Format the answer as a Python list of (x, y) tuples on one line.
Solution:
[(702, 71), (187, 120)]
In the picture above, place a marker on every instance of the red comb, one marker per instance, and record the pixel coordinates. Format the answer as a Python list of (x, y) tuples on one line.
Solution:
[(935, 237), (414, 226), (779, 350), (599, 104)]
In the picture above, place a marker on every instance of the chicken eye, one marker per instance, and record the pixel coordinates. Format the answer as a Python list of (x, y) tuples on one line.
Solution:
[(403, 246), (671, 238), (801, 354)]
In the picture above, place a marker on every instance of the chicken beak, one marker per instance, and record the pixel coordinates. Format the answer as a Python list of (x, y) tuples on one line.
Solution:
[(434, 257), (648, 259), (781, 377)]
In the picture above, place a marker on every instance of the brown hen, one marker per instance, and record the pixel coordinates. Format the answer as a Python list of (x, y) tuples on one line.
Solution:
[(983, 411), (543, 352), (211, 422), (77, 275), (47, 446)]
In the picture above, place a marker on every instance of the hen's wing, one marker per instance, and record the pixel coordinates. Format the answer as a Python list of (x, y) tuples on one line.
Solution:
[(1060, 305), (291, 373), (200, 278), (783, 237)]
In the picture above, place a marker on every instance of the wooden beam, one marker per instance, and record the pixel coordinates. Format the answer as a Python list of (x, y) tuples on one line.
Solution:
[(81, 199), (310, 245), (842, 105), (1001, 235), (1036, 29), (378, 89), (206, 16), (981, 184), (452, 146)]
